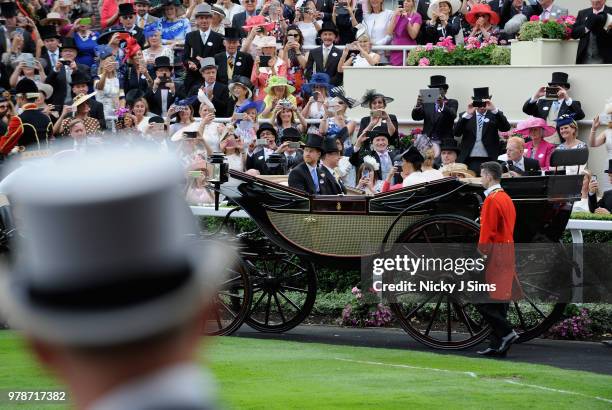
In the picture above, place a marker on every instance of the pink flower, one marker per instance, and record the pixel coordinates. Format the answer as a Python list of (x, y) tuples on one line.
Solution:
[(355, 290), (534, 18), (424, 62), (470, 47), (429, 47)]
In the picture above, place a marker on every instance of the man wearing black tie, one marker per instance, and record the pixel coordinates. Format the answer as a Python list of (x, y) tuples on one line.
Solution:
[(325, 59), (232, 62), (479, 128), (307, 176), (519, 165), (439, 117), (329, 161)]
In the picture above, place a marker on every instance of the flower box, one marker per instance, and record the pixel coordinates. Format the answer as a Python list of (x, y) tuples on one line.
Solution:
[(543, 51)]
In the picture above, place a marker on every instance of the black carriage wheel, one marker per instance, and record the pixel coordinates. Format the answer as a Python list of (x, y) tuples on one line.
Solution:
[(231, 303), (284, 291), (440, 320), (530, 320)]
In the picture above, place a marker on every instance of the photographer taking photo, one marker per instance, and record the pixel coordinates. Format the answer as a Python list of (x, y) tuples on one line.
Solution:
[(163, 93)]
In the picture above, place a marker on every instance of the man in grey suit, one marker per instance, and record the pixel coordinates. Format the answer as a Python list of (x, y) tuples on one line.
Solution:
[(547, 9), (90, 311), (143, 18)]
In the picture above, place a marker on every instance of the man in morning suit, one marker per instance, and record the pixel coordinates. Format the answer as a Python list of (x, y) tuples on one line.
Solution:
[(164, 92), (199, 44), (257, 157), (60, 76), (479, 128), (232, 61), (518, 164), (439, 117), (604, 205), (326, 57), (30, 129), (378, 138), (496, 242), (216, 92), (332, 185), (547, 9), (551, 109), (308, 176), (293, 156), (127, 22), (594, 29)]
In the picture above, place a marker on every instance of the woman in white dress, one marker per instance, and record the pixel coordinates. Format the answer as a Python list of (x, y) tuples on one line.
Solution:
[(233, 148), (308, 24), (206, 128), (358, 54), (318, 88), (604, 137), (108, 91), (376, 19)]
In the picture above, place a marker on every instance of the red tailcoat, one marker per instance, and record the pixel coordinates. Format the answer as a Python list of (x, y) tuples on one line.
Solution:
[(497, 220)]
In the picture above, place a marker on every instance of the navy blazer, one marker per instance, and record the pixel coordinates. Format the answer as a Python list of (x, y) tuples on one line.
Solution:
[(330, 185), (300, 178)]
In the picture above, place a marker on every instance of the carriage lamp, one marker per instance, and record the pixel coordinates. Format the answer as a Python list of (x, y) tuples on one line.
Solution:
[(220, 168), (219, 174), (276, 164)]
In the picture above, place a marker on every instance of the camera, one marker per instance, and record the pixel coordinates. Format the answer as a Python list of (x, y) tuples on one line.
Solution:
[(285, 103), (163, 81), (264, 61), (303, 9), (65, 62), (479, 104), (294, 145)]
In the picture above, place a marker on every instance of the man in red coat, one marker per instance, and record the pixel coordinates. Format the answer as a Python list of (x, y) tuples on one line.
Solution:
[(496, 241)]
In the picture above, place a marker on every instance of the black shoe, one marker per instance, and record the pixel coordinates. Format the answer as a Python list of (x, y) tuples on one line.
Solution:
[(506, 342), (488, 352)]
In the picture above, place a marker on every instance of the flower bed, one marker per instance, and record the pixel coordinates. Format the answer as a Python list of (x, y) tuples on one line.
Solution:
[(560, 29), (445, 53)]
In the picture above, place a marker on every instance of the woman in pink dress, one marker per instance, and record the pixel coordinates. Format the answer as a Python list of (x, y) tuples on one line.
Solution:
[(537, 148), (404, 28)]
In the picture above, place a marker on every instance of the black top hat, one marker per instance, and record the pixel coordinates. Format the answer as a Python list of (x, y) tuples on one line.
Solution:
[(450, 144), (329, 145), (559, 78), (437, 81), (379, 132), (609, 170), (25, 86), (481, 94), (413, 155), (163, 62), (126, 9), (48, 32), (80, 77), (8, 10), (267, 127), (328, 26), (133, 95), (290, 134), (108, 33), (68, 42), (142, 2), (313, 141), (232, 33), (156, 119)]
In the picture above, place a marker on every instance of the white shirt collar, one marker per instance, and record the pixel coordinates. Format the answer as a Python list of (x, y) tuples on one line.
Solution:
[(175, 385), (310, 167), (600, 10), (491, 189), (520, 163), (331, 170)]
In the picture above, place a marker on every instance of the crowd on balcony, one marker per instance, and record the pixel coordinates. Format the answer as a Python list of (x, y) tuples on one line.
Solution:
[(161, 71)]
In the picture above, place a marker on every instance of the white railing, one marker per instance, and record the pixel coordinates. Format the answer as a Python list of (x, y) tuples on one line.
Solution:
[(400, 121)]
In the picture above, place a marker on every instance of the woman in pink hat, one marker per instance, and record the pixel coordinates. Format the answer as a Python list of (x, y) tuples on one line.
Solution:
[(537, 148)]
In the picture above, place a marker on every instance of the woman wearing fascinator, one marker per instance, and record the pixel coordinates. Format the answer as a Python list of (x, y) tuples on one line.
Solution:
[(367, 176), (377, 103), (152, 33), (335, 121), (568, 130)]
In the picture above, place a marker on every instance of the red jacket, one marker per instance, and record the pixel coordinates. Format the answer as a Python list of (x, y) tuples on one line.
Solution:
[(497, 219)]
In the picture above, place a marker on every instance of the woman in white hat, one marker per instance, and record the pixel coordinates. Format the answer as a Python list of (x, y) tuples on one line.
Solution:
[(443, 22), (78, 110), (604, 137), (273, 67)]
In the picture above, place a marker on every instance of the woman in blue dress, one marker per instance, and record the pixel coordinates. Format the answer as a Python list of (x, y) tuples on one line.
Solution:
[(174, 29), (86, 42)]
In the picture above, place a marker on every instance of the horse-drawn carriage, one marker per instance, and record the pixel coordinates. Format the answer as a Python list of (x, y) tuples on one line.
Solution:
[(273, 286)]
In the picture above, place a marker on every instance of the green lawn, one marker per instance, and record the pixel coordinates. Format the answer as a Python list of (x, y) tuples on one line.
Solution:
[(265, 374)]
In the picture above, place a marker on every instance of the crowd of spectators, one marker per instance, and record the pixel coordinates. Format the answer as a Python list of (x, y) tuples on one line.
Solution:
[(161, 71)]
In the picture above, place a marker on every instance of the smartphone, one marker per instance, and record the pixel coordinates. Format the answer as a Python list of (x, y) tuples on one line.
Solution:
[(19, 30), (264, 61), (294, 145), (190, 134), (366, 173), (85, 21), (65, 62), (605, 119), (376, 114), (551, 93), (259, 29), (430, 95), (196, 174), (316, 95), (239, 115), (261, 142), (593, 178)]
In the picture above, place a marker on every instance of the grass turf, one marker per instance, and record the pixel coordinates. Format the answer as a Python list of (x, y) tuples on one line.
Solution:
[(267, 374)]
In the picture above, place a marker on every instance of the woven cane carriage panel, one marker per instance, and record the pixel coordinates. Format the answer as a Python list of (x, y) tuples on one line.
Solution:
[(338, 235)]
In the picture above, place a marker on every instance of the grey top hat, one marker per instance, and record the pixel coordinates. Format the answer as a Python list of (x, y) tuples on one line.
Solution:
[(103, 254), (208, 62), (203, 9)]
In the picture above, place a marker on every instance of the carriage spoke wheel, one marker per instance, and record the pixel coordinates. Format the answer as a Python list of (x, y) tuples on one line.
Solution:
[(284, 291), (530, 319), (231, 303), (439, 320)]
